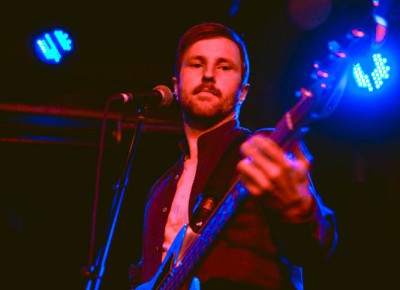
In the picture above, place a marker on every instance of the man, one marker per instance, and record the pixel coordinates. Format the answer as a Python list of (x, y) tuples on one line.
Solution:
[(281, 226)]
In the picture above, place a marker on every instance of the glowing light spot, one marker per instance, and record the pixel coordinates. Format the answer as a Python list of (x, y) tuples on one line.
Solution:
[(378, 75), (51, 47)]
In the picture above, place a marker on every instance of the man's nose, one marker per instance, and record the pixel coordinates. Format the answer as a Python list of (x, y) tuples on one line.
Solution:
[(208, 74)]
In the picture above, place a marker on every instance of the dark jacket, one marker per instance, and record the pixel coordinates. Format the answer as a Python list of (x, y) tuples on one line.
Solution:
[(256, 249)]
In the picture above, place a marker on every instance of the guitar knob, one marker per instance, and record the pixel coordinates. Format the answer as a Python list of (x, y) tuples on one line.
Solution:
[(201, 212)]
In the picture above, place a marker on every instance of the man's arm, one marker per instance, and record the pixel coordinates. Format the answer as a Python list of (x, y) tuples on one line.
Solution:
[(135, 275), (303, 225)]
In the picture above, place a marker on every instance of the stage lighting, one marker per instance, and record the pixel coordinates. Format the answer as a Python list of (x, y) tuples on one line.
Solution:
[(51, 47), (373, 76)]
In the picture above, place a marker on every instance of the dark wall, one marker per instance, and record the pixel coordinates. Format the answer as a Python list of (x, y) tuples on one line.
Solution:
[(47, 193), (47, 190)]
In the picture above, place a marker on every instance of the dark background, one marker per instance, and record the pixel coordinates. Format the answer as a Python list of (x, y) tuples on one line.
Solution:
[(51, 121)]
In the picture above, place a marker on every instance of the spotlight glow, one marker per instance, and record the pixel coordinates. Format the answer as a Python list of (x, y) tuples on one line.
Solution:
[(52, 46), (376, 78)]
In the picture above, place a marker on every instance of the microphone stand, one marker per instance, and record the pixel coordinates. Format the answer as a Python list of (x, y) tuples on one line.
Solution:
[(96, 272)]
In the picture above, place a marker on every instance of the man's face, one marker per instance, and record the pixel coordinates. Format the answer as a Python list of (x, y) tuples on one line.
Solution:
[(209, 86)]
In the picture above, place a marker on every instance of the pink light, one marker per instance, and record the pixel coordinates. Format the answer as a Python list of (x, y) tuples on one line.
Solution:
[(357, 33), (323, 74), (306, 93), (341, 54), (380, 33)]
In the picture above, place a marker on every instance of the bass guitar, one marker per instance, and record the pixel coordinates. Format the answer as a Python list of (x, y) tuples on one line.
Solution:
[(315, 102)]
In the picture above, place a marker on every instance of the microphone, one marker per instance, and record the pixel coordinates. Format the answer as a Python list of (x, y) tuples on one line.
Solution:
[(160, 95)]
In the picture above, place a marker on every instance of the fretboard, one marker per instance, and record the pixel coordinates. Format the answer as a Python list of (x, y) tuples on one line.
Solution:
[(209, 233)]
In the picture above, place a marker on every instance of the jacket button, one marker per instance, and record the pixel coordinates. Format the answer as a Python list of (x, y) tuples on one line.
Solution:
[(157, 249), (177, 177), (164, 209)]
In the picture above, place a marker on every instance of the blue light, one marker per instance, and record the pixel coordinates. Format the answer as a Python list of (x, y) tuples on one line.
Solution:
[(362, 79), (378, 74), (63, 40), (52, 46)]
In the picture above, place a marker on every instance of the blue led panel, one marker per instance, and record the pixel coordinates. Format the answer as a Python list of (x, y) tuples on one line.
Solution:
[(376, 77), (51, 47)]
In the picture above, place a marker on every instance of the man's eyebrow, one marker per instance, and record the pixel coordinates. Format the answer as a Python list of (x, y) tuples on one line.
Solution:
[(218, 61), (223, 59), (197, 57)]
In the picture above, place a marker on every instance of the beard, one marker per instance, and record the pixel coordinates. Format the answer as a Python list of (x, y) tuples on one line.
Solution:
[(204, 116), (202, 121)]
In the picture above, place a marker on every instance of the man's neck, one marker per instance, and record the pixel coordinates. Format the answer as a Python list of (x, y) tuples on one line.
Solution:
[(193, 134)]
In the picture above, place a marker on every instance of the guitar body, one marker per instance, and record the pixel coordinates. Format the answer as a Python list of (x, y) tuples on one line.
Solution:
[(189, 247), (172, 261)]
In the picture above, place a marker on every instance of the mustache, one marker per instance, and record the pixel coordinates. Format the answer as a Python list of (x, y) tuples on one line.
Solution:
[(208, 88)]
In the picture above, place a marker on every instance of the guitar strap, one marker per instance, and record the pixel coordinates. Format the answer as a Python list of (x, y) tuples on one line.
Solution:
[(218, 183)]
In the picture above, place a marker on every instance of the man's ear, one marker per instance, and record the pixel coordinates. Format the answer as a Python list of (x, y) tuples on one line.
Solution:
[(243, 93), (175, 82)]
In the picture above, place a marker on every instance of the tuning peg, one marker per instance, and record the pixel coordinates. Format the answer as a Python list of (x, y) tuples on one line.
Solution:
[(356, 33), (336, 51), (319, 74), (316, 64), (333, 46), (303, 92), (339, 54)]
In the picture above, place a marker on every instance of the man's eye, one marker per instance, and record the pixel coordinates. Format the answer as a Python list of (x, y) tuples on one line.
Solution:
[(196, 65), (225, 67)]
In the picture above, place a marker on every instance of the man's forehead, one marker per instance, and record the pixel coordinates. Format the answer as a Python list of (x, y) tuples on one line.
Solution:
[(217, 47)]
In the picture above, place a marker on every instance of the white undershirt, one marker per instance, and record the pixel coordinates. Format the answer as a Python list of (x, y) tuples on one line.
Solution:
[(179, 213)]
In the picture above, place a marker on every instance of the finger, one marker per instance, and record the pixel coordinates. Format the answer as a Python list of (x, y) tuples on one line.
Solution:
[(268, 148), (253, 177), (301, 154), (298, 152), (260, 160), (261, 148)]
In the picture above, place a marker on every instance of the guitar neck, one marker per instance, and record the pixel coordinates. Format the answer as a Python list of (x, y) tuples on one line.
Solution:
[(284, 132), (306, 110)]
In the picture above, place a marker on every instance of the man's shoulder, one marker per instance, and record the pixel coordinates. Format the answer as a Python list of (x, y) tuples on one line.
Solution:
[(265, 130)]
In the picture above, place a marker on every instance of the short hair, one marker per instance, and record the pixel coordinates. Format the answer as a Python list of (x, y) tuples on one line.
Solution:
[(208, 30)]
